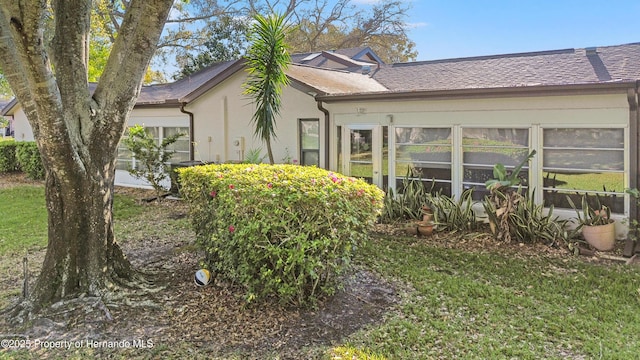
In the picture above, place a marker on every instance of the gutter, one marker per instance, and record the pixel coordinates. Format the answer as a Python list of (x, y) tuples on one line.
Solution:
[(327, 129), (635, 182), (614, 87), (191, 130), (633, 97)]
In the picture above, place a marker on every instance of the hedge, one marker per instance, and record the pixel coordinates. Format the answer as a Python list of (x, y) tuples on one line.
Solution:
[(29, 159), (287, 231), (8, 160)]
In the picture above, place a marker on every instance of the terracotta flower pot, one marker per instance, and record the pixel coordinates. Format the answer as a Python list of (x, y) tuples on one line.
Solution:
[(601, 237), (426, 218), (425, 229)]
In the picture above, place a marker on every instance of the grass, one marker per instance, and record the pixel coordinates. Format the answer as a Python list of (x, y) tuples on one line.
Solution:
[(24, 221), (23, 225), (590, 182), (455, 304), (488, 305)]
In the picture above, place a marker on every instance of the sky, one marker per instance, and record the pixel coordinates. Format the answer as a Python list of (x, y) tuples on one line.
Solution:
[(444, 29)]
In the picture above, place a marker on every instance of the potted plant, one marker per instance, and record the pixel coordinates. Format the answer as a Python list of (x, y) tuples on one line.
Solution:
[(425, 227), (598, 228)]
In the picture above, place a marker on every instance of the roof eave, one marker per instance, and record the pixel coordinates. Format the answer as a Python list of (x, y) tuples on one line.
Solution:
[(305, 88), (534, 90), (169, 103), (9, 107)]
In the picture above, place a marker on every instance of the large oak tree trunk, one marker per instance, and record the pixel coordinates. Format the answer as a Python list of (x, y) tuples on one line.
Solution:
[(82, 255), (77, 130)]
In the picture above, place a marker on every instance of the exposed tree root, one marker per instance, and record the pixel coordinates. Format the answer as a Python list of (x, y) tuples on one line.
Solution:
[(118, 293)]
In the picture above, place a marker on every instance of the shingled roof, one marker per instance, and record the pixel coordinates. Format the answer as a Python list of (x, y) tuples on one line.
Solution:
[(190, 87), (345, 59), (194, 85), (325, 81), (598, 65), (619, 63)]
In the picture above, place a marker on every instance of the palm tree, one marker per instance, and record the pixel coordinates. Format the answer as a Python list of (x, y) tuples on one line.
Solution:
[(267, 61)]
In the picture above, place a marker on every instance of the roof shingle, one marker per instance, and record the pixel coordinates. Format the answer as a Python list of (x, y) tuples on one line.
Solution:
[(559, 67)]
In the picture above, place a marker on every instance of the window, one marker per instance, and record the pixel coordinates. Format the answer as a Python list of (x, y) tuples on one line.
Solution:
[(309, 130), (482, 148), (583, 161), (424, 154), (125, 160), (181, 146)]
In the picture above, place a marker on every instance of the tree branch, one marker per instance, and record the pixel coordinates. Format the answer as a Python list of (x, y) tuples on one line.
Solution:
[(121, 80)]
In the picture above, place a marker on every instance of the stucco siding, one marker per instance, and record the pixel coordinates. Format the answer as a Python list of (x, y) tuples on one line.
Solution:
[(224, 114), (21, 128)]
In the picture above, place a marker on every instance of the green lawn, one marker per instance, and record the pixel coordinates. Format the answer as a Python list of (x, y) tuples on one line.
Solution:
[(590, 182), (23, 225), (488, 305)]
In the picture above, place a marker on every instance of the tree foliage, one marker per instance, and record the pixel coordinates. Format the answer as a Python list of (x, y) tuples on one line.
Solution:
[(316, 25), (227, 41), (202, 32), (380, 26), (5, 89), (267, 60)]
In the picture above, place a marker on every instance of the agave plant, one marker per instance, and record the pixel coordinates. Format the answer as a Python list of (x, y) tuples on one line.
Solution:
[(591, 216), (405, 205), (531, 223), (453, 215)]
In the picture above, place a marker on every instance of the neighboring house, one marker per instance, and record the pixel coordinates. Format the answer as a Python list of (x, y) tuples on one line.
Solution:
[(446, 122)]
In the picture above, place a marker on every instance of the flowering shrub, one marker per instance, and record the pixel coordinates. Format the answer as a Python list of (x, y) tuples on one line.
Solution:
[(282, 230)]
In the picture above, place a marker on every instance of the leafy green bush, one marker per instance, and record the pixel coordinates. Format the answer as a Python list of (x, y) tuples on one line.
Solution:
[(281, 230), (151, 157), (8, 161), (29, 159)]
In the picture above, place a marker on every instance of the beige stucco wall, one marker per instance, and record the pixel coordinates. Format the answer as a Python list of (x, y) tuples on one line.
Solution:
[(142, 116), (158, 117), (21, 128), (223, 115), (574, 109)]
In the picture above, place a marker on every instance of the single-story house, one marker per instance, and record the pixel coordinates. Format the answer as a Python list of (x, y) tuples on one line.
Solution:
[(446, 122)]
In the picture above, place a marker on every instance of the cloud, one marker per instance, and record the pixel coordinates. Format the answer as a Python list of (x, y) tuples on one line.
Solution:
[(415, 25)]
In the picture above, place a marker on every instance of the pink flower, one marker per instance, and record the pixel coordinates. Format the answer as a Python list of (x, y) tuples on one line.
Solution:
[(231, 186), (313, 181), (295, 161), (213, 193), (360, 192), (232, 228), (269, 185)]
